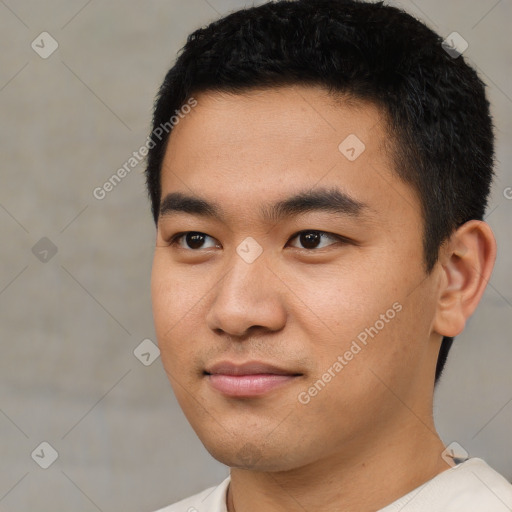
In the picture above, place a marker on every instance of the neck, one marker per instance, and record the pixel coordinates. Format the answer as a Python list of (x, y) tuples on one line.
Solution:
[(382, 469)]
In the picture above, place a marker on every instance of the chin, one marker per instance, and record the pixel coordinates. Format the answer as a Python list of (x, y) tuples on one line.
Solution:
[(252, 457)]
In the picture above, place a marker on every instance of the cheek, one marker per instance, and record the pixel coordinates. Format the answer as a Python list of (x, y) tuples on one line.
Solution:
[(175, 292), (342, 300), (358, 315), (176, 303)]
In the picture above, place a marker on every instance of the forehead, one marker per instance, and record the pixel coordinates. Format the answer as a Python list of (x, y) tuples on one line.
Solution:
[(302, 113), (263, 145)]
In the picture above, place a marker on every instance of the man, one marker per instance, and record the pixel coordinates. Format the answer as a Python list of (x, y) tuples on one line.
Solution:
[(318, 179)]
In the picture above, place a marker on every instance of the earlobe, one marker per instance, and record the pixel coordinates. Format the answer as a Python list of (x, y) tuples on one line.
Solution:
[(466, 260)]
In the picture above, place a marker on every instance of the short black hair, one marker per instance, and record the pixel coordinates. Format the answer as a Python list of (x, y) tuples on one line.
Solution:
[(434, 103)]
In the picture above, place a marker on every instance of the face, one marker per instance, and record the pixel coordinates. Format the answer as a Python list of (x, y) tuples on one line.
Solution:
[(291, 306)]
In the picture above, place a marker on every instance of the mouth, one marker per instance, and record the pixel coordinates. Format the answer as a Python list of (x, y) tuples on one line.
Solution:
[(251, 379)]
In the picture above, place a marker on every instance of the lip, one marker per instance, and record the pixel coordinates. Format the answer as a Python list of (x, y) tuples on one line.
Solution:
[(247, 368), (249, 379)]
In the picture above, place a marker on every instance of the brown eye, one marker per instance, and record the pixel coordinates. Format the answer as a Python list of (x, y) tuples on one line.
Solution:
[(191, 240), (312, 238)]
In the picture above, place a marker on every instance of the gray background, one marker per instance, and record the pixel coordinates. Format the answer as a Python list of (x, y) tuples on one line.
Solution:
[(68, 374)]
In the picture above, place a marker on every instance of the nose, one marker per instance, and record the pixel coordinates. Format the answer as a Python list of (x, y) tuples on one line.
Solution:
[(249, 297)]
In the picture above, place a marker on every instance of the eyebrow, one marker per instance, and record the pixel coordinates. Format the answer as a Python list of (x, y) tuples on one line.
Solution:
[(320, 199)]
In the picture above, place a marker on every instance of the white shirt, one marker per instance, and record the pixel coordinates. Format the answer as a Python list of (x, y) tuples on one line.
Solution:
[(472, 486)]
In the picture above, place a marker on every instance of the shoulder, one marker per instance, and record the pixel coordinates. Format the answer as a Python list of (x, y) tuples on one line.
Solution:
[(485, 486), (471, 485), (212, 499)]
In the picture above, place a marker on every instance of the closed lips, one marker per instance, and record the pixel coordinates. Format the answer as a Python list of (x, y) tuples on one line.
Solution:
[(249, 368)]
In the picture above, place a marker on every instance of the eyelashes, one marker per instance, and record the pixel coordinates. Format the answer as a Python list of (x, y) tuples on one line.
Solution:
[(193, 240)]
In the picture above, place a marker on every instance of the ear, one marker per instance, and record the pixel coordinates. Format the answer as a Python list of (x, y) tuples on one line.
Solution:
[(466, 260)]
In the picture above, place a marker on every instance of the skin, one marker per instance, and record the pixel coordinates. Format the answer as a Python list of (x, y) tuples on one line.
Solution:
[(368, 437)]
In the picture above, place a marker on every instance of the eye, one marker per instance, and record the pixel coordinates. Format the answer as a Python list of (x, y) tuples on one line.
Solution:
[(309, 239), (312, 238), (192, 239)]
